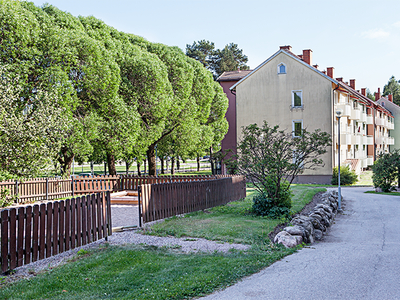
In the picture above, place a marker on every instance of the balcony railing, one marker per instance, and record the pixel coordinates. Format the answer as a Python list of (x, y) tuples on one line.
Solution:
[(346, 109), (379, 121), (379, 140), (370, 140), (355, 114), (370, 119), (390, 125), (390, 140), (370, 160), (363, 117)]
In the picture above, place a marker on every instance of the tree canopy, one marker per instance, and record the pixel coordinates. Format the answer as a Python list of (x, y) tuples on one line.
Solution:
[(230, 58), (119, 94), (393, 88)]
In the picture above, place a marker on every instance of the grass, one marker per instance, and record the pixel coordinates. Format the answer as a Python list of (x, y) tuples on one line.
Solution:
[(143, 272), (383, 193), (231, 223), (148, 272), (365, 179)]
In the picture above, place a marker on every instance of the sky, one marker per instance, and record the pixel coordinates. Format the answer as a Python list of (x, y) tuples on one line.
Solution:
[(359, 38)]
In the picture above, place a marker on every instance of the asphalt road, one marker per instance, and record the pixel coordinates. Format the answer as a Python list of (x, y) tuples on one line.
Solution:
[(359, 258)]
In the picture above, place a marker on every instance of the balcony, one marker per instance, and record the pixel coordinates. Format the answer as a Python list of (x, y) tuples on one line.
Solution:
[(355, 114), (390, 126), (346, 109), (370, 160), (379, 140), (390, 140), (345, 138), (363, 117), (370, 140), (356, 139), (379, 121), (370, 119), (359, 154)]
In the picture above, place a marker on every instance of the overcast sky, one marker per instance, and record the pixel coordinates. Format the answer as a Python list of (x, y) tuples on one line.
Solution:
[(359, 38)]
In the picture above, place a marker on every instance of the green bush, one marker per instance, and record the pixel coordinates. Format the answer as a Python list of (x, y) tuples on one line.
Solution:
[(266, 207), (347, 176), (386, 170), (265, 204)]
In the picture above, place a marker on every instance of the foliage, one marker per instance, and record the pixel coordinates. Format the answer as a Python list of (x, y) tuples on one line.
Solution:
[(30, 133), (271, 158), (386, 170), (230, 58), (393, 88), (347, 176), (120, 94), (268, 207)]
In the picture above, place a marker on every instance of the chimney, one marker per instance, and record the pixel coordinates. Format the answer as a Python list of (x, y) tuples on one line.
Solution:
[(330, 71), (364, 92), (339, 79), (301, 56), (378, 94), (390, 97), (288, 48), (324, 72), (353, 84), (315, 66), (307, 56)]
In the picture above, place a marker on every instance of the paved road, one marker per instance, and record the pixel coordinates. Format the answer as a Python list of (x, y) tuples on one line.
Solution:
[(358, 259)]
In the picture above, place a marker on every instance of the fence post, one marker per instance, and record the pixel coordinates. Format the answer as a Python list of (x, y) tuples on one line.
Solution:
[(16, 189), (72, 185), (140, 211), (47, 188)]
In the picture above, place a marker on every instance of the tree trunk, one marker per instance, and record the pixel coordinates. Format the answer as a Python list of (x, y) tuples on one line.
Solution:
[(105, 168), (198, 163), (91, 168), (127, 165), (212, 162), (65, 161), (111, 164), (178, 164), (151, 157), (145, 169), (172, 165), (138, 168), (162, 164)]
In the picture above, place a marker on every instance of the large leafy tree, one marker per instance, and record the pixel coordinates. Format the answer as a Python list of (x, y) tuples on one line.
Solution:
[(30, 133), (392, 87), (386, 170)]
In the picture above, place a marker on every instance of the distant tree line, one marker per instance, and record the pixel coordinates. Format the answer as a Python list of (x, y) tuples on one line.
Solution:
[(74, 88)]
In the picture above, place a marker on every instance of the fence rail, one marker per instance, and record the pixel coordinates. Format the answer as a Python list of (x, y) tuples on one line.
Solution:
[(33, 232), (36, 189), (163, 200)]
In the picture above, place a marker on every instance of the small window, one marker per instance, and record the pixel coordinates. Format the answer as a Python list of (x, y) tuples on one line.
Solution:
[(297, 128), (281, 68), (297, 98)]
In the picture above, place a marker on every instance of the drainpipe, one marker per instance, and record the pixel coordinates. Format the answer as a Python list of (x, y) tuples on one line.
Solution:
[(333, 124)]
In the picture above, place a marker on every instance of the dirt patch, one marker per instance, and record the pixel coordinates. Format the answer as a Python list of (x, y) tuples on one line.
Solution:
[(317, 199)]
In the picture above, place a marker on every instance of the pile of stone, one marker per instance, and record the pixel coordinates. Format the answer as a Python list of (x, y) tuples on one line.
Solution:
[(309, 228)]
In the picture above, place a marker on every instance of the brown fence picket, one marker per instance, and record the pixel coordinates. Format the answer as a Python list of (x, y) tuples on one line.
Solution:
[(42, 230), (28, 234), (13, 238), (20, 237), (78, 221), (73, 223), (55, 228), (35, 236), (67, 224), (4, 240)]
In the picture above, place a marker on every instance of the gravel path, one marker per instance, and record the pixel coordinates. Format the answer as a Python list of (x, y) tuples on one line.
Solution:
[(126, 215)]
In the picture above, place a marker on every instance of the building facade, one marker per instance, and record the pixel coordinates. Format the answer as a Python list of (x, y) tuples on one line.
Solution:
[(289, 91)]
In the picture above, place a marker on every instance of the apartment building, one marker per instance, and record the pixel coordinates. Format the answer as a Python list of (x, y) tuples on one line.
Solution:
[(393, 136), (289, 91)]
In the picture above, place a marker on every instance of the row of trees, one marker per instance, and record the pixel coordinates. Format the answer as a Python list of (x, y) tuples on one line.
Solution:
[(79, 89)]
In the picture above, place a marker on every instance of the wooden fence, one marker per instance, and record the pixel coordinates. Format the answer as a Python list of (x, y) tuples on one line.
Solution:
[(165, 200), (36, 189), (34, 232)]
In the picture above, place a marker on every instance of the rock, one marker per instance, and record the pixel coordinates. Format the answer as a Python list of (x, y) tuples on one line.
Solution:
[(318, 234), (316, 223), (287, 240), (305, 222), (295, 230)]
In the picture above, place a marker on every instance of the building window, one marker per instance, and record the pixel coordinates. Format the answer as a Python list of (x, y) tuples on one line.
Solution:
[(297, 128), (297, 99), (281, 68)]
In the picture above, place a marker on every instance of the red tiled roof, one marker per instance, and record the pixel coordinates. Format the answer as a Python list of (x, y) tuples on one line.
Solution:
[(233, 75)]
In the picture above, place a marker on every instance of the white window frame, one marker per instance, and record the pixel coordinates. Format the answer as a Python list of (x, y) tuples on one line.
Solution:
[(293, 127), (279, 68), (301, 97)]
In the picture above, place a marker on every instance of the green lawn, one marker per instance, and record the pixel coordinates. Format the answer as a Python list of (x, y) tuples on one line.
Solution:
[(148, 272), (383, 193)]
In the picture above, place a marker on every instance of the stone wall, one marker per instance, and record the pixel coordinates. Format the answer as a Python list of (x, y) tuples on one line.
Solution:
[(309, 228)]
